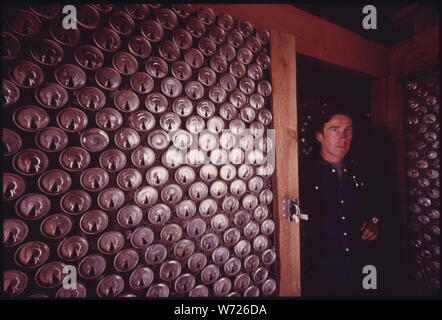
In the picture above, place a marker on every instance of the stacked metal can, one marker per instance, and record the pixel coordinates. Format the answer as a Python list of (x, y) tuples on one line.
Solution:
[(307, 116), (423, 155), (99, 173)]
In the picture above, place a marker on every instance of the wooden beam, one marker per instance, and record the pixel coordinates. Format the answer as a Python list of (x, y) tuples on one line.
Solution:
[(405, 11), (387, 115), (283, 70), (396, 126), (422, 15), (419, 21), (315, 37), (378, 102), (419, 52)]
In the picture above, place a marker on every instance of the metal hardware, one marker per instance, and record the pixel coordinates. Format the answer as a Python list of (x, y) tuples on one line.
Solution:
[(291, 211)]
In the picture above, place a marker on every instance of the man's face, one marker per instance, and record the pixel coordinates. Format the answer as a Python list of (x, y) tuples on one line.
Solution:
[(336, 138)]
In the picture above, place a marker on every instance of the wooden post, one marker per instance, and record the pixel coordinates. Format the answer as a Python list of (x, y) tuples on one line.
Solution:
[(417, 53), (387, 114), (283, 69), (396, 123)]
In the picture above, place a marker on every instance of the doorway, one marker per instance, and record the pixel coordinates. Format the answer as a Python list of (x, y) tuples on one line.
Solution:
[(318, 85)]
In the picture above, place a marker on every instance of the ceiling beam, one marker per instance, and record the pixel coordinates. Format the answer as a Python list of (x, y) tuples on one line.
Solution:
[(405, 11), (419, 52)]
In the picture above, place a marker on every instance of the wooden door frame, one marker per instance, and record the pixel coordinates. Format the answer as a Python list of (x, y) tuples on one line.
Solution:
[(285, 178)]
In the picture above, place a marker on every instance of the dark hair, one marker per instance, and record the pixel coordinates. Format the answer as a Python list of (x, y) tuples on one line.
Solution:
[(331, 109)]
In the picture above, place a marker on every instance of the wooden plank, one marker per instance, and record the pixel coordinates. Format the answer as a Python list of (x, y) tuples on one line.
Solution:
[(394, 110), (419, 21), (315, 37), (419, 52), (387, 114), (405, 11), (395, 121), (424, 18), (283, 70), (378, 102)]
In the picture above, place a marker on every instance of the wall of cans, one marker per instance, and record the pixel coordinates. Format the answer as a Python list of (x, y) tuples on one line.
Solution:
[(423, 155), (307, 116), (95, 123)]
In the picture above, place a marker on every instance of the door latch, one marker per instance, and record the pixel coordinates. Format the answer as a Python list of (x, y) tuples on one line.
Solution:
[(291, 211)]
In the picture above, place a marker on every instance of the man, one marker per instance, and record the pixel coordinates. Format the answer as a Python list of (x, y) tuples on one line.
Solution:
[(336, 238)]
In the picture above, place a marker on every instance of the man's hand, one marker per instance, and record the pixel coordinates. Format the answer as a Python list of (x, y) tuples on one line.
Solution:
[(370, 231)]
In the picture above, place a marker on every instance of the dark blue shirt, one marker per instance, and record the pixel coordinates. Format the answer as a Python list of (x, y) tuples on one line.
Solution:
[(341, 222), (332, 241)]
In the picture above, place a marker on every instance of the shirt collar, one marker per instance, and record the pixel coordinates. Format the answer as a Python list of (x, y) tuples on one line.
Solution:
[(346, 163)]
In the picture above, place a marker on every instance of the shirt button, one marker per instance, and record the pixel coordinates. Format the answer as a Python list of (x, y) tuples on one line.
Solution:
[(333, 170), (343, 217)]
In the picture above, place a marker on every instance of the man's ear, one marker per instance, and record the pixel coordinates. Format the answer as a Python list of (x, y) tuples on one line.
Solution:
[(319, 136)]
